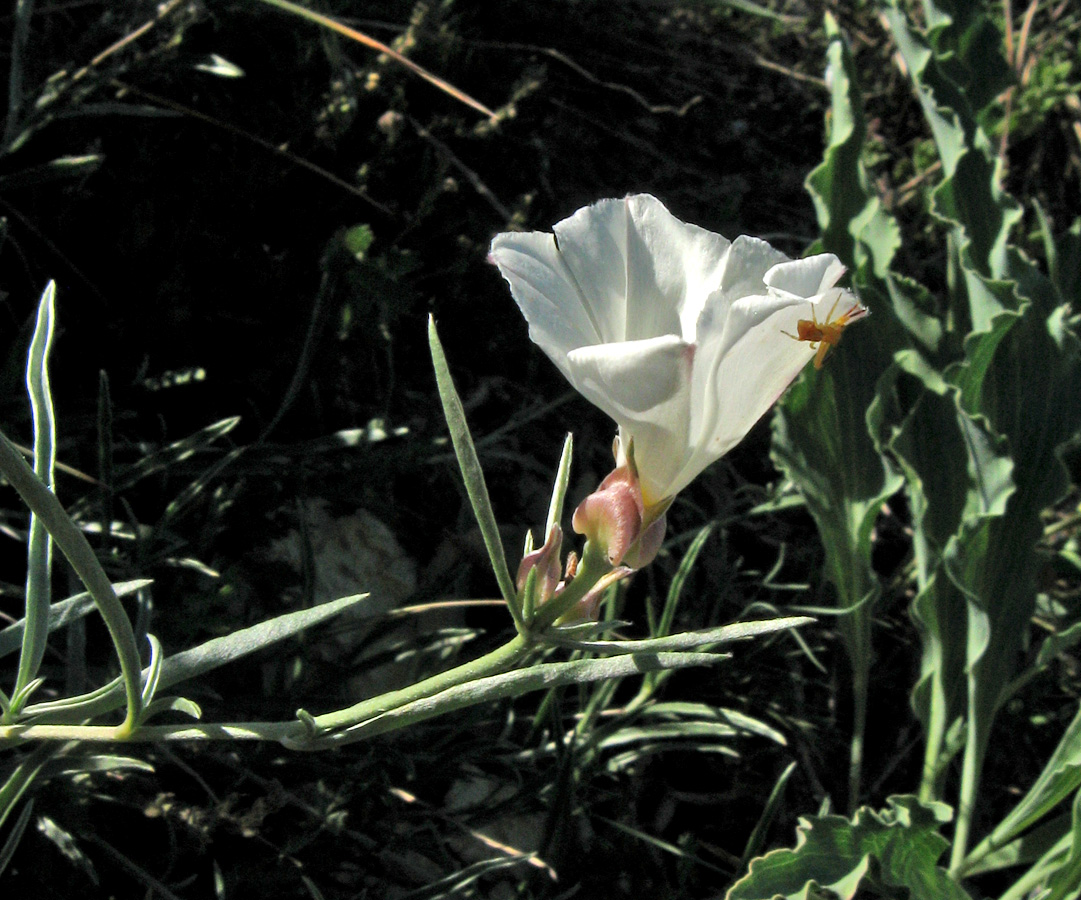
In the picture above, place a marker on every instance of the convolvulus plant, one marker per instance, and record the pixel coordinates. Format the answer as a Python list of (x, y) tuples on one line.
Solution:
[(683, 337)]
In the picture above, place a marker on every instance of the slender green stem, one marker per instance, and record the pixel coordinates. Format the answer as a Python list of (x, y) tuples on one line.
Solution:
[(936, 735), (20, 43), (233, 731), (593, 566), (966, 801), (74, 546), (499, 660), (860, 679), (1039, 873)]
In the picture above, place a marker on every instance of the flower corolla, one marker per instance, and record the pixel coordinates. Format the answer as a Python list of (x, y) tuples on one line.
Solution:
[(683, 337)]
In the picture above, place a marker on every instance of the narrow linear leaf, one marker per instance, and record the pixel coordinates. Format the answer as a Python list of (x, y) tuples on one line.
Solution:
[(170, 455), (199, 660), (559, 491), (689, 640), (96, 762), (153, 670), (472, 474), (11, 843), (21, 777), (39, 542), (64, 613), (757, 840)]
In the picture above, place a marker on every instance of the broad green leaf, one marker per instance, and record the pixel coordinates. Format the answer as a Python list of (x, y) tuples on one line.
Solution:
[(1029, 394), (968, 48), (821, 442), (848, 210), (1006, 404), (820, 435), (969, 197), (889, 853)]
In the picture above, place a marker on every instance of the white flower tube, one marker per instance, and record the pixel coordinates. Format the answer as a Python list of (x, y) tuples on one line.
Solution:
[(683, 337)]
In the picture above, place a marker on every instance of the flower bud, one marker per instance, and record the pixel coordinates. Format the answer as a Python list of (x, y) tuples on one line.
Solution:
[(615, 518), (546, 561)]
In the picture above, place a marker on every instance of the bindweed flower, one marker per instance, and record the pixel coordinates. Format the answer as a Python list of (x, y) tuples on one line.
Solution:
[(683, 337)]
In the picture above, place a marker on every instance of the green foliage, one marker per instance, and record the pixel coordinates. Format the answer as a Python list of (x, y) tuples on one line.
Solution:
[(885, 852), (820, 440), (971, 398)]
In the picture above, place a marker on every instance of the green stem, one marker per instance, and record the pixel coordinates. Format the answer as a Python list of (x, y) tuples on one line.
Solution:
[(966, 801), (499, 660), (74, 546), (593, 566), (936, 735), (233, 731), (860, 678)]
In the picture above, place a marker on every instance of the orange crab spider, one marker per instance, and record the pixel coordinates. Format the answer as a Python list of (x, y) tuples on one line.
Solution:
[(828, 333)]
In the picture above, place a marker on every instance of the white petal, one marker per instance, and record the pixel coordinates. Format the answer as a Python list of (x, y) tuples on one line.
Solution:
[(544, 290), (806, 277), (739, 375), (645, 386), (632, 380), (748, 261), (649, 271)]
